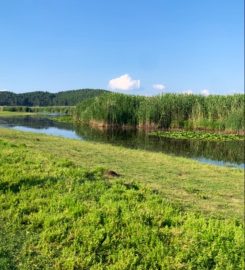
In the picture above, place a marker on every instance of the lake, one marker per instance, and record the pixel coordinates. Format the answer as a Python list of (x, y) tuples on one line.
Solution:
[(219, 153)]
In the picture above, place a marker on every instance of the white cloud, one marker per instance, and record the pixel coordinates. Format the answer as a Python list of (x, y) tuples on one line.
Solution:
[(124, 82), (188, 92), (158, 86), (236, 92), (205, 92)]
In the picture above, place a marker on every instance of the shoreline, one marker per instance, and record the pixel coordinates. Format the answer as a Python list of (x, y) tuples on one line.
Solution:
[(156, 170), (103, 125), (153, 127)]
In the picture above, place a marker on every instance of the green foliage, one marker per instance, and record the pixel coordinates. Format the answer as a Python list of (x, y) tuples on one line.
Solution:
[(50, 109), (57, 215), (68, 118), (110, 109), (168, 174), (166, 111), (197, 135), (236, 120), (38, 98)]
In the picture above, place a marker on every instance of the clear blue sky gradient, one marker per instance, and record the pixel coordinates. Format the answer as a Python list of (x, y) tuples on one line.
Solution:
[(69, 44)]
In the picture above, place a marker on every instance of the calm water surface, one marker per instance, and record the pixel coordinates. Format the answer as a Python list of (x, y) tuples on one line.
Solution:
[(218, 153)]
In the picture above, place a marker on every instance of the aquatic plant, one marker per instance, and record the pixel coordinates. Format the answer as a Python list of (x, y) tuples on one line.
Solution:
[(197, 135), (168, 111)]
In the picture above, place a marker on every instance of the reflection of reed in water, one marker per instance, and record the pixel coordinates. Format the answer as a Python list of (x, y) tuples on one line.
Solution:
[(36, 122), (221, 151)]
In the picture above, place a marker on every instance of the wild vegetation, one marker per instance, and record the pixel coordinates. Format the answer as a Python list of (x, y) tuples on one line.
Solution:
[(197, 135), (39, 98), (95, 206), (228, 151), (167, 111), (10, 113), (69, 110), (65, 211)]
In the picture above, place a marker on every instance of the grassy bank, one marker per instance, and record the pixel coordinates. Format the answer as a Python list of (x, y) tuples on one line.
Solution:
[(10, 113), (189, 179), (61, 208), (64, 119), (37, 109)]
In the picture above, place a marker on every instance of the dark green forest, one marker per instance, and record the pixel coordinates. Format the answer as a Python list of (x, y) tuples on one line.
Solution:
[(166, 111), (41, 98)]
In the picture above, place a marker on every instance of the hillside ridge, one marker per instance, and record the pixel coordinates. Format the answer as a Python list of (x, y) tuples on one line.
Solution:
[(45, 98)]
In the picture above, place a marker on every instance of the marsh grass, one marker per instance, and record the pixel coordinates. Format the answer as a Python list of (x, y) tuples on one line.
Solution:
[(56, 214), (166, 111)]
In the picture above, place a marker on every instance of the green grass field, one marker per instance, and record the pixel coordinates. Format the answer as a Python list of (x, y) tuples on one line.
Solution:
[(61, 208), (10, 114)]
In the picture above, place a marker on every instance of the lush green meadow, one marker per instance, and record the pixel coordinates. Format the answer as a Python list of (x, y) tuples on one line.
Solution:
[(62, 207), (10, 113)]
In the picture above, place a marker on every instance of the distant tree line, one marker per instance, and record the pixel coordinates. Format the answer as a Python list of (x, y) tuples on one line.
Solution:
[(40, 98), (167, 111)]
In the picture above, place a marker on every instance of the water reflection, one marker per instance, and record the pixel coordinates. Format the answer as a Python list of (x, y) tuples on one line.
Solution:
[(231, 152), (219, 153)]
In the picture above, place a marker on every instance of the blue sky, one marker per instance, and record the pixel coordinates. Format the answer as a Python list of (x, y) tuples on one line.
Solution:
[(132, 46)]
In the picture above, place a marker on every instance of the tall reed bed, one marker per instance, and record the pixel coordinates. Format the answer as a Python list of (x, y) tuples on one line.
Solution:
[(166, 111)]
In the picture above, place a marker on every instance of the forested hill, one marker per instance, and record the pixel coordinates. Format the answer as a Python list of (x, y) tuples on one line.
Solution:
[(40, 98)]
